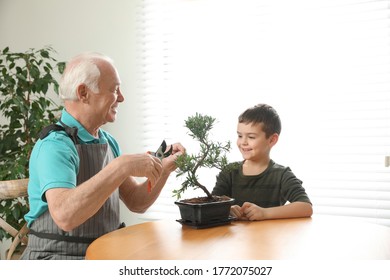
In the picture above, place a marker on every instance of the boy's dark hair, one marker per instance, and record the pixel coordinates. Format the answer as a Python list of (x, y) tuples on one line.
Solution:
[(262, 113)]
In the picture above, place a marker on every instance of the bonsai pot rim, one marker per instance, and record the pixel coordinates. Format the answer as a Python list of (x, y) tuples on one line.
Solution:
[(200, 204)]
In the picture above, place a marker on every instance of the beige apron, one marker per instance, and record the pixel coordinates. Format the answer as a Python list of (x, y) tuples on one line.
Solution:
[(48, 241)]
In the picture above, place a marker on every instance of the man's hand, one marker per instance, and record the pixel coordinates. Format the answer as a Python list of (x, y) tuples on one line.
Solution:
[(169, 163), (145, 165)]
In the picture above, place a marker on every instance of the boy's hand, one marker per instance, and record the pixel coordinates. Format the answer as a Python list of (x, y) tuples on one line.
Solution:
[(248, 211), (253, 212), (236, 212)]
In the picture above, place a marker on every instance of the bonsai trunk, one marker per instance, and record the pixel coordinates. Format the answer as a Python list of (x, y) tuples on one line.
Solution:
[(200, 163), (204, 189)]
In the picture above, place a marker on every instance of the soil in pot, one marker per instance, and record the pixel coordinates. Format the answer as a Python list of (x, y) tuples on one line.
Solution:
[(206, 199)]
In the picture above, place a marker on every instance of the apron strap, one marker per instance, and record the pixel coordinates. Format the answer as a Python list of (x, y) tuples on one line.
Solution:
[(71, 131), (66, 238)]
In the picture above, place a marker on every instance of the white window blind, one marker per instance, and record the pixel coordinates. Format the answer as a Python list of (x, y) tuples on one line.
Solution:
[(323, 64)]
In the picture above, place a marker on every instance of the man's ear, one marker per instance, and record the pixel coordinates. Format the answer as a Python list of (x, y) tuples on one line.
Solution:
[(82, 93)]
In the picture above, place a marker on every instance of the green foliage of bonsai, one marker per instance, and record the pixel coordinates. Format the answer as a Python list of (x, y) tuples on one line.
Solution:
[(26, 79), (212, 154)]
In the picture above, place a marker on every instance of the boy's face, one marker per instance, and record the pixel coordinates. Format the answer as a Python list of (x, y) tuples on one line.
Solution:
[(252, 141)]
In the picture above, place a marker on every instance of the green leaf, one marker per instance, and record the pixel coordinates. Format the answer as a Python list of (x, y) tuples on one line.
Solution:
[(45, 53), (61, 67), (22, 77), (34, 72), (16, 213)]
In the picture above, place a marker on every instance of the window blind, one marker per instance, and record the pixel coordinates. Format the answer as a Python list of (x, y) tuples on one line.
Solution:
[(324, 65)]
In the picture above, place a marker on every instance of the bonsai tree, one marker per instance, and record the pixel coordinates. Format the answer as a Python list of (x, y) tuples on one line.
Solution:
[(26, 79), (211, 155)]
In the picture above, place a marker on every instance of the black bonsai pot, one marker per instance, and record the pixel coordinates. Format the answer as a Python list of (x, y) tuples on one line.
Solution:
[(200, 213)]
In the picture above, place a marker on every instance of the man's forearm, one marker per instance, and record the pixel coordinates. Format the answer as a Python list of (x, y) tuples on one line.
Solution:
[(136, 196), (71, 207)]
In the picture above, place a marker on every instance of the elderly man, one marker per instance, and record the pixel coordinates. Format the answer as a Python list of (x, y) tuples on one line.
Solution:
[(77, 171)]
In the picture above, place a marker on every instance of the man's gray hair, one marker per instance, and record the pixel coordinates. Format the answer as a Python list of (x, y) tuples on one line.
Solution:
[(82, 69)]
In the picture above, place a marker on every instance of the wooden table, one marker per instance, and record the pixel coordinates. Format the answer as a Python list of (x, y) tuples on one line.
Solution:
[(326, 238)]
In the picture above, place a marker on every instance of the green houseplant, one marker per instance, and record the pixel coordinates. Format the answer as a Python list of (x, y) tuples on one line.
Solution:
[(208, 210), (26, 81)]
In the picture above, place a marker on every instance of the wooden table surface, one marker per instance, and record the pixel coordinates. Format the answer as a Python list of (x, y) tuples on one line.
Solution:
[(319, 237)]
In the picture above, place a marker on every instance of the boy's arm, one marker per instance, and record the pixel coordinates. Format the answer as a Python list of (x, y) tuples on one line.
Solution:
[(293, 210)]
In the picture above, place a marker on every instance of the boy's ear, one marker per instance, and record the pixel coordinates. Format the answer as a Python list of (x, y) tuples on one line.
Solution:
[(273, 139), (82, 93)]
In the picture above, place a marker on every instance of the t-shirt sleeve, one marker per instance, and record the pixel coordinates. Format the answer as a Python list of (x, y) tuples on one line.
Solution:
[(292, 188), (223, 185), (57, 163)]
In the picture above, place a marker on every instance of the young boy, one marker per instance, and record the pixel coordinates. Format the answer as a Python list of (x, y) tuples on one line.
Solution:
[(260, 186)]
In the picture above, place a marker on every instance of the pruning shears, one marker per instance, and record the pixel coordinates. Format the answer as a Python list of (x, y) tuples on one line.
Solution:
[(160, 154)]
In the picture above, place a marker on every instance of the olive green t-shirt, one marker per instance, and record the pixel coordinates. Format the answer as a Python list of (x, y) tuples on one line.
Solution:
[(273, 187)]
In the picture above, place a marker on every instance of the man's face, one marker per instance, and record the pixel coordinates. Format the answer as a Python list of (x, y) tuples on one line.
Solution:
[(105, 103)]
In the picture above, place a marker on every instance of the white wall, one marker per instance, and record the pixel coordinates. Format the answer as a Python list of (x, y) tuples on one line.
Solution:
[(72, 27), (75, 26)]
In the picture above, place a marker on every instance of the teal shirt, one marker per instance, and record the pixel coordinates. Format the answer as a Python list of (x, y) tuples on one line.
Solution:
[(54, 163)]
